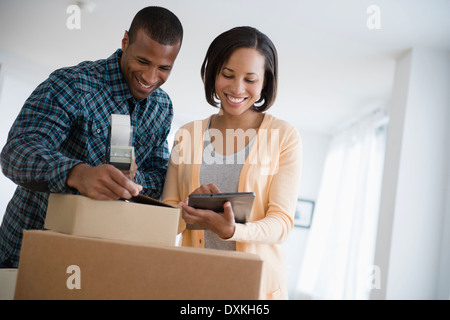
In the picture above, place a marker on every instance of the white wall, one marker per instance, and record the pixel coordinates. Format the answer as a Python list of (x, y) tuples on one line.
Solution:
[(18, 79), (410, 250), (315, 148), (444, 267)]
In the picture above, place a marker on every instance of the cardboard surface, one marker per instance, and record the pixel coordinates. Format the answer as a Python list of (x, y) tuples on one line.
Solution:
[(7, 283), (110, 269), (150, 221)]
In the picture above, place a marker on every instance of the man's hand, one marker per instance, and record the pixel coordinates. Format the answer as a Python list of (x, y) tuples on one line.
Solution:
[(104, 182), (131, 174)]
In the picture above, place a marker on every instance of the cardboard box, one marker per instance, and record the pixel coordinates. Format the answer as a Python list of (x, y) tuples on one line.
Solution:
[(149, 221), (7, 283), (58, 266)]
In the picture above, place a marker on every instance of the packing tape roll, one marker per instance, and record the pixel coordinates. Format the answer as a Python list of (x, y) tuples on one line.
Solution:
[(121, 130)]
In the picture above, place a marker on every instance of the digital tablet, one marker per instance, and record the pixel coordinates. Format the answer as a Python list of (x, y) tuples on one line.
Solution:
[(241, 202)]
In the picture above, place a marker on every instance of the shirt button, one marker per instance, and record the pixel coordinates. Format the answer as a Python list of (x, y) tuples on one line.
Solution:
[(98, 130)]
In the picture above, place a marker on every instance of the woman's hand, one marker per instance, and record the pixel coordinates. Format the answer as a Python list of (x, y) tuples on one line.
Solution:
[(207, 188), (221, 224)]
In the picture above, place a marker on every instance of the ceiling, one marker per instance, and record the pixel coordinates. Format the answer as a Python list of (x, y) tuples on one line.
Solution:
[(333, 68)]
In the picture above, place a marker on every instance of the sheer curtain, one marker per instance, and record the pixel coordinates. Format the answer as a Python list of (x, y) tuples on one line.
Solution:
[(338, 261)]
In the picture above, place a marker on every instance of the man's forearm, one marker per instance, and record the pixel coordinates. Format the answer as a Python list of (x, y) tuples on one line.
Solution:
[(28, 164)]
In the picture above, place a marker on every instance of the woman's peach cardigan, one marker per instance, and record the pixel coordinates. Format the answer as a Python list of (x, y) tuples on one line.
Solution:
[(272, 170)]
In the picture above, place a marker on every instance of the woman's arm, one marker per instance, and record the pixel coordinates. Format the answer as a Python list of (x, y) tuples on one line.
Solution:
[(281, 199)]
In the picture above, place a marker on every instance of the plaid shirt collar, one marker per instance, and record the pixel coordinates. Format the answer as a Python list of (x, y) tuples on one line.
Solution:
[(115, 78)]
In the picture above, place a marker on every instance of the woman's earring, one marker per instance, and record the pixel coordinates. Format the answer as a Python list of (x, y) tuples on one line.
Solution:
[(259, 103), (217, 99)]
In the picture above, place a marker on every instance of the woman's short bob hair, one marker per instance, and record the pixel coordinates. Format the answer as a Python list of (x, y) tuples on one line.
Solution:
[(220, 51)]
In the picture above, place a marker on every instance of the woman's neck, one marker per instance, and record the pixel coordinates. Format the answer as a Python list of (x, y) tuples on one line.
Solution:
[(248, 120)]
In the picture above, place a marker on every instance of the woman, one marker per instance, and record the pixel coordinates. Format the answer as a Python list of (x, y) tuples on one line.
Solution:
[(239, 149)]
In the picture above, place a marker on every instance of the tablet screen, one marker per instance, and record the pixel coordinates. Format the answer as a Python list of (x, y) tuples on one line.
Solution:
[(241, 202)]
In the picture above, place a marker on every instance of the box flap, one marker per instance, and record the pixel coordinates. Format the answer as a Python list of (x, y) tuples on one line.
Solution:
[(147, 200)]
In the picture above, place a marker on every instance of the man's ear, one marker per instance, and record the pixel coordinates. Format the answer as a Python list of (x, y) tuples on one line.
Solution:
[(125, 41)]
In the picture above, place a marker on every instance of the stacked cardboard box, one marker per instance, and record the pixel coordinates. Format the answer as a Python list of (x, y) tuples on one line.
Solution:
[(144, 220), (125, 250)]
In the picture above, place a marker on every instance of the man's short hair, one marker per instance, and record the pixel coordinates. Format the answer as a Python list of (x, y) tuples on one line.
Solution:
[(159, 24)]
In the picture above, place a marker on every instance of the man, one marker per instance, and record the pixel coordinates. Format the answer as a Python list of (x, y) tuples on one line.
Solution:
[(59, 140)]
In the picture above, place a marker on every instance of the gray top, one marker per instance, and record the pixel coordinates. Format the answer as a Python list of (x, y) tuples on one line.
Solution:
[(224, 172)]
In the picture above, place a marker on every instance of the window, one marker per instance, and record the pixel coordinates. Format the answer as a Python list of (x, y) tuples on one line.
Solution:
[(338, 261)]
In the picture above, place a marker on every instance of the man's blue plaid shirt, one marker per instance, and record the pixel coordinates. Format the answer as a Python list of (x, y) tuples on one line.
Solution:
[(65, 122)]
